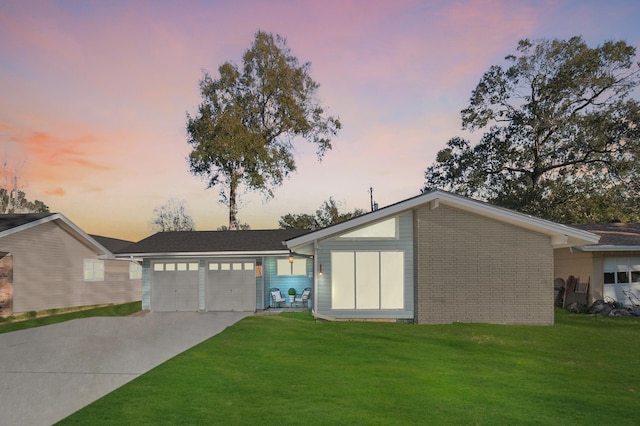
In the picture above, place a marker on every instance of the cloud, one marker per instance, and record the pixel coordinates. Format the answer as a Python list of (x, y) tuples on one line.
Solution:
[(55, 192), (57, 157)]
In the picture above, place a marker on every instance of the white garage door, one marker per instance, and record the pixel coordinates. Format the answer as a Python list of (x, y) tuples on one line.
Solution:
[(174, 286), (230, 286)]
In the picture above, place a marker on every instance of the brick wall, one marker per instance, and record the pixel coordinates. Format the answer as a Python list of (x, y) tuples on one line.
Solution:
[(474, 269)]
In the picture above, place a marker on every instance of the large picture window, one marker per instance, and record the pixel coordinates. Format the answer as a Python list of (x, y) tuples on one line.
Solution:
[(367, 280)]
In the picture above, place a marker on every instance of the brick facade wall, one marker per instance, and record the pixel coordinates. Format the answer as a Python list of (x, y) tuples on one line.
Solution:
[(469, 268)]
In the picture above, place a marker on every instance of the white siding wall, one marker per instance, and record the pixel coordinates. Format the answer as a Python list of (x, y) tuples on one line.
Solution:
[(48, 272)]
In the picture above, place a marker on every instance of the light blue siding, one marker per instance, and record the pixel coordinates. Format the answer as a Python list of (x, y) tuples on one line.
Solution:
[(284, 283), (404, 243)]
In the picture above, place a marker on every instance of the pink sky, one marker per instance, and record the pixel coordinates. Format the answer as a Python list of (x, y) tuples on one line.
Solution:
[(93, 95)]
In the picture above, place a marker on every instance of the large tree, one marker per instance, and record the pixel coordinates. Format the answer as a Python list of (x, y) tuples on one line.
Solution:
[(328, 214), (247, 122), (561, 134)]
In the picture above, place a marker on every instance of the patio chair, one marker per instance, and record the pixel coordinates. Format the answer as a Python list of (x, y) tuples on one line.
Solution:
[(304, 297), (276, 298)]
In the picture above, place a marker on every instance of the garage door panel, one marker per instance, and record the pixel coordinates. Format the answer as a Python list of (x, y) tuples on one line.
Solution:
[(174, 288), (231, 286)]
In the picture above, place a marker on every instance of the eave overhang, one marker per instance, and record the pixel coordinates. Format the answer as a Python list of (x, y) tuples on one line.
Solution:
[(561, 235)]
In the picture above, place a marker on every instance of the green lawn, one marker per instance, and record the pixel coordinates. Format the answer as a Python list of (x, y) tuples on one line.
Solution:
[(53, 316), (289, 369)]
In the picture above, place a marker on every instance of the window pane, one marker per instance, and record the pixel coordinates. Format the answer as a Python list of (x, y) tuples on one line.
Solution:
[(248, 266), (385, 229), (342, 280), (88, 270), (135, 271), (635, 276), (367, 280), (93, 270), (623, 277), (158, 266), (283, 267), (300, 267), (213, 267), (392, 280), (193, 266), (182, 266), (237, 266), (225, 266), (609, 278), (170, 267)]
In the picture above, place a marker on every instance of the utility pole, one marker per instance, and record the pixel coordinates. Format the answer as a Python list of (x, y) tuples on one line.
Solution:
[(374, 205)]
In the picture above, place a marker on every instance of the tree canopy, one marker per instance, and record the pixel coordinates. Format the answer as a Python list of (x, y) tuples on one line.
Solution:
[(560, 138), (15, 201), (328, 214), (247, 122), (172, 216)]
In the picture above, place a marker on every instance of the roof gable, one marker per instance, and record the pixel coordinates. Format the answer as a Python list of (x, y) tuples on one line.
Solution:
[(561, 235), (212, 242), (14, 223), (11, 221)]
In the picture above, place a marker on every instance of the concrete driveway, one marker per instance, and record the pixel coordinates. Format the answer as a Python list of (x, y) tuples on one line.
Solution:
[(48, 373)]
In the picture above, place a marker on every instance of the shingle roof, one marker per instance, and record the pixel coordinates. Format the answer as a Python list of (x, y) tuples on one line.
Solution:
[(213, 241), (614, 234), (10, 221), (112, 244), (561, 235)]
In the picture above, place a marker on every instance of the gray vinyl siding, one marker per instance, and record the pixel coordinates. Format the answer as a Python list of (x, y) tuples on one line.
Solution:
[(403, 243), (48, 272), (202, 277), (146, 284)]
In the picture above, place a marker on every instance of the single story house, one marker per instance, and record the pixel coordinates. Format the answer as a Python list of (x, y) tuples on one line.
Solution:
[(434, 258), (438, 258), (217, 270), (47, 262), (611, 268)]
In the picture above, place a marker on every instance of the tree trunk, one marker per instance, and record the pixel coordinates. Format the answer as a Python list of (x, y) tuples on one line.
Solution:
[(233, 207)]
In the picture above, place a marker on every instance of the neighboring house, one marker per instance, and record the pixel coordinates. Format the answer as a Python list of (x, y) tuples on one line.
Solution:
[(438, 258), (217, 270), (611, 267), (49, 262)]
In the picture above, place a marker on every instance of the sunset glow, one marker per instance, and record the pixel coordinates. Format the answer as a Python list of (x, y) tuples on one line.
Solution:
[(94, 94)]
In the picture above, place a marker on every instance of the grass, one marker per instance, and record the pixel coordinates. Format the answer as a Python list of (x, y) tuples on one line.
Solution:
[(289, 369), (53, 316)]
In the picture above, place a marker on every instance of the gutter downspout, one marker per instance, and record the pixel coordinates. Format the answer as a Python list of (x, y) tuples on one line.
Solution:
[(315, 277)]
